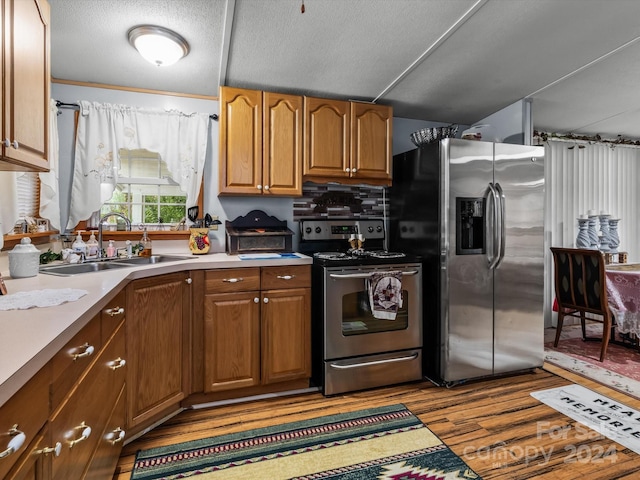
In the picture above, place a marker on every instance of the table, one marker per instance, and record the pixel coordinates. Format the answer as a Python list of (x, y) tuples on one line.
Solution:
[(623, 288)]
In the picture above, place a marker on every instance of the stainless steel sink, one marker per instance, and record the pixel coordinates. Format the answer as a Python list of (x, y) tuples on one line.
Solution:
[(98, 266), (76, 268), (151, 260)]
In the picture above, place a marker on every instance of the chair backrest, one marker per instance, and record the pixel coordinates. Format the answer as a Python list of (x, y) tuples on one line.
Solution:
[(580, 279)]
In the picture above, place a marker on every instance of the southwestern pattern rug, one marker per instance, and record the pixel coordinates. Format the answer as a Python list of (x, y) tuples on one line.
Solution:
[(385, 443)]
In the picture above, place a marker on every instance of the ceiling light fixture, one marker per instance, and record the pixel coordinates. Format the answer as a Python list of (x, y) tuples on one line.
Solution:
[(158, 45)]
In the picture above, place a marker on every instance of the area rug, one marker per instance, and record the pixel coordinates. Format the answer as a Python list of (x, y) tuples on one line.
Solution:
[(379, 443), (620, 369), (606, 417)]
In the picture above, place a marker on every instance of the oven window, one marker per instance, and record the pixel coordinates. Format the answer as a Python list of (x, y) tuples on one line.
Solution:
[(357, 318)]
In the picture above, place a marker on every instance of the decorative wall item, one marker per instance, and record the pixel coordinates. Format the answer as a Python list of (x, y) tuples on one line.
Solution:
[(604, 231), (594, 241), (614, 238)]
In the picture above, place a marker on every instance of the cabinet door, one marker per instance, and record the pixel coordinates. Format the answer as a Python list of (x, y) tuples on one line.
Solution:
[(286, 341), (326, 128), (282, 152), (157, 327), (25, 102), (240, 141), (231, 341), (371, 137)]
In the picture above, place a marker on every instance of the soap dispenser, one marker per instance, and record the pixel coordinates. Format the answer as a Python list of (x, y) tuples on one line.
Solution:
[(92, 247), (111, 249), (79, 246), (145, 245)]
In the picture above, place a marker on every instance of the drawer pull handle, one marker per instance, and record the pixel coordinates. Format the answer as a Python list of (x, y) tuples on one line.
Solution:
[(86, 432), (233, 280), (56, 450), (117, 363), (17, 440), (286, 277), (88, 351), (115, 436), (112, 312)]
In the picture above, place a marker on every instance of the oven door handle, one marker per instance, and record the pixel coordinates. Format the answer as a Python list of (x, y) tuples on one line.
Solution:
[(365, 275), (375, 362)]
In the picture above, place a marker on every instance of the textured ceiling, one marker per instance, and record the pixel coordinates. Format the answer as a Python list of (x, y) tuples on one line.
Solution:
[(439, 60)]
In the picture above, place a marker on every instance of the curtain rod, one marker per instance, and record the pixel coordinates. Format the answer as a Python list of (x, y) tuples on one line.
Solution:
[(76, 106)]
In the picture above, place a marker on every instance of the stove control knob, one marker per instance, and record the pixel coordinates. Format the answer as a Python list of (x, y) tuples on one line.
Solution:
[(378, 229), (318, 229), (307, 230), (370, 229)]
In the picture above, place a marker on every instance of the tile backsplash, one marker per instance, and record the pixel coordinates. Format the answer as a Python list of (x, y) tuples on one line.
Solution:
[(339, 201)]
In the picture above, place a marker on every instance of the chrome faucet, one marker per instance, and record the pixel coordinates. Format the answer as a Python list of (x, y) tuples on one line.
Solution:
[(112, 214)]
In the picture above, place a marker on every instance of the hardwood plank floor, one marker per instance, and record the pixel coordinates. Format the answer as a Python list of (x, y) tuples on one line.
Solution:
[(494, 425)]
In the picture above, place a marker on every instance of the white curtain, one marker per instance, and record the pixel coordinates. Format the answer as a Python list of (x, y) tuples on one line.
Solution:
[(103, 129), (49, 196), (580, 177)]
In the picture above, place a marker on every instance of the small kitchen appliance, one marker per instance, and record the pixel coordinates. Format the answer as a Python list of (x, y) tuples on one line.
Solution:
[(257, 232), (355, 345)]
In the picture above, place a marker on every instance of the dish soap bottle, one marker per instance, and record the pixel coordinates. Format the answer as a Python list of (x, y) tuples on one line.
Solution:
[(145, 244), (79, 247), (92, 247), (111, 249)]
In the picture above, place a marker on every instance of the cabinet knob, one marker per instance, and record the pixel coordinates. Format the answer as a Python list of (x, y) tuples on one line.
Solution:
[(256, 300), (347, 169), (112, 312), (259, 187), (115, 436), (56, 450), (6, 142), (15, 145), (354, 170), (17, 440), (189, 281), (266, 187), (86, 433), (117, 363), (87, 352), (265, 300)]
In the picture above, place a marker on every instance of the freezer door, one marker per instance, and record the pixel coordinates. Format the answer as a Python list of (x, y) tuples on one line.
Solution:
[(466, 243), (519, 276)]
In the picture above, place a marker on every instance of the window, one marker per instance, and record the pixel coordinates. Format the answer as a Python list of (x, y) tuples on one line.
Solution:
[(145, 192), (28, 195)]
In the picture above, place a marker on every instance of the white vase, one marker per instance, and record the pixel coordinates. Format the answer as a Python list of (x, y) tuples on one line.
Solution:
[(593, 233), (582, 240), (614, 238), (604, 233)]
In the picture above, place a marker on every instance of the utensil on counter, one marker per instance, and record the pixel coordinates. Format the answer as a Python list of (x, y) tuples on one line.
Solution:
[(192, 214)]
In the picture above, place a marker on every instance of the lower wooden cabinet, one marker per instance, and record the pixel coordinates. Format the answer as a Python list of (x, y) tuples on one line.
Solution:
[(260, 334), (158, 326)]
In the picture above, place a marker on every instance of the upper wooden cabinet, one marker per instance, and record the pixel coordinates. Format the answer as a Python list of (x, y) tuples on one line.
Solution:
[(26, 83), (260, 143), (347, 141)]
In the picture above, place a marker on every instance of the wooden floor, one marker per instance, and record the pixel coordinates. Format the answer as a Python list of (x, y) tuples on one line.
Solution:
[(494, 425)]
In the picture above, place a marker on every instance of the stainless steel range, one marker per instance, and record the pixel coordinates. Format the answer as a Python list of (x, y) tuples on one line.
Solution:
[(367, 311)]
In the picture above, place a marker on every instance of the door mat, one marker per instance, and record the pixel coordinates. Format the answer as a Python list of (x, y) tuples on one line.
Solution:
[(378, 443), (610, 418)]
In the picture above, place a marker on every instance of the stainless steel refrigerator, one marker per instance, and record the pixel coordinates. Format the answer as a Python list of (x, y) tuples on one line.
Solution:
[(474, 212)]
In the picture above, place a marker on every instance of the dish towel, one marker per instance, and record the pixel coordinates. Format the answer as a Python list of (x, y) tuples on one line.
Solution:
[(40, 298), (385, 294)]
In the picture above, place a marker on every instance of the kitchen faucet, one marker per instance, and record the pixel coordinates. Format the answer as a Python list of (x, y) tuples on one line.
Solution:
[(112, 214)]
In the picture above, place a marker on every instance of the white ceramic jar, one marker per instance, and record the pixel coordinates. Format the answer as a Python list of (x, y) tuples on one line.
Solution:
[(24, 260)]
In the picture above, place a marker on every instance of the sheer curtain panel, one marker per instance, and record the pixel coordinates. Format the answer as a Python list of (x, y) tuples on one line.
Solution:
[(103, 129)]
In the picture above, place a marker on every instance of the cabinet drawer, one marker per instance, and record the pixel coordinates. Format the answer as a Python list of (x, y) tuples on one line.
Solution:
[(112, 314), (73, 359), (298, 276), (27, 410), (89, 406), (232, 280)]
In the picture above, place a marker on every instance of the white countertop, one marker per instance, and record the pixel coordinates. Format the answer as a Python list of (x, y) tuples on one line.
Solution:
[(29, 338)]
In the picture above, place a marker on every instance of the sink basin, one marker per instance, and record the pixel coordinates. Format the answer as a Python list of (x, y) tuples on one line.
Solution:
[(76, 268), (150, 260)]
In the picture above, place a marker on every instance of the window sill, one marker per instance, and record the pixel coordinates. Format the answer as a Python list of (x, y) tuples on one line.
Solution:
[(39, 238), (122, 235)]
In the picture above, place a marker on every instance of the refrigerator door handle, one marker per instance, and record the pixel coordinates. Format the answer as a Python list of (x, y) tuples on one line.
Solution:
[(501, 224), (493, 253)]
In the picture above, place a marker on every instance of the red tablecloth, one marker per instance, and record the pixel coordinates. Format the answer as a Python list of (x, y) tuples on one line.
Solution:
[(623, 288)]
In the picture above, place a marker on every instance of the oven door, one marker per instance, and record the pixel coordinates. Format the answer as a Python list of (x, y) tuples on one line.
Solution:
[(351, 329)]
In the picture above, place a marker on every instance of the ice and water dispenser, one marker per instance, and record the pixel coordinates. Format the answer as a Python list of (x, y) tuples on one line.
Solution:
[(470, 224)]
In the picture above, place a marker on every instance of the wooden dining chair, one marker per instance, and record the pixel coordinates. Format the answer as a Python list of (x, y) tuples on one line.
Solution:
[(581, 288)]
